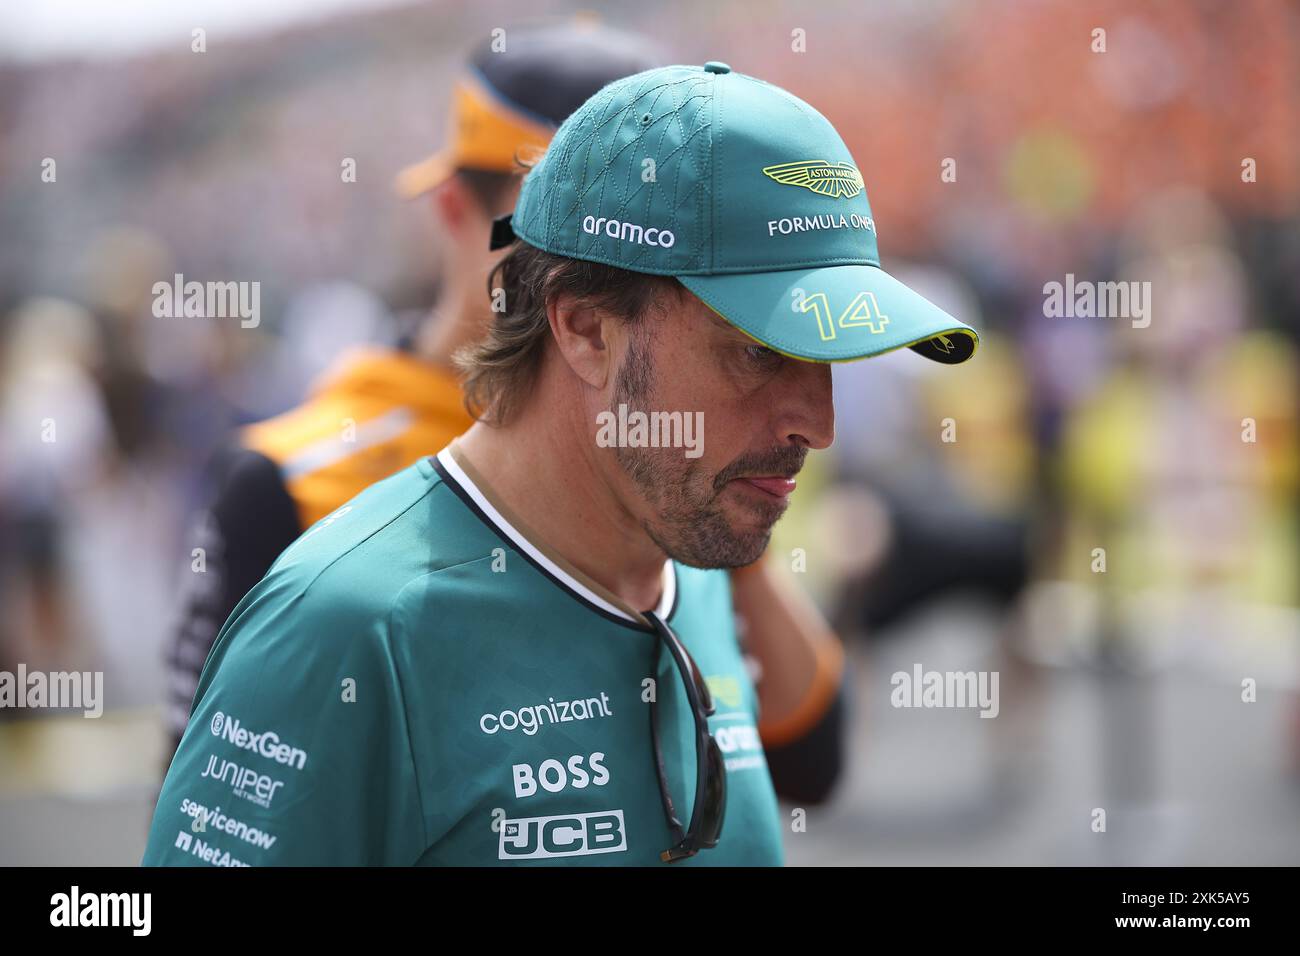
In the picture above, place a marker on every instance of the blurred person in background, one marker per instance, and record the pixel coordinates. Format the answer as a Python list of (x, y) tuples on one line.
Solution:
[(122, 263), (953, 504), (162, 379), (925, 532), (1178, 473), (1183, 460), (55, 440)]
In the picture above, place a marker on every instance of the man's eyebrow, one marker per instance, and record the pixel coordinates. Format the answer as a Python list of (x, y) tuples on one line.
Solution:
[(721, 323)]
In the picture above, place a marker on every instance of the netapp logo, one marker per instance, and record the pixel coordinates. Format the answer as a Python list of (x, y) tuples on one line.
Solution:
[(628, 232), (530, 719), (205, 851), (246, 784), (266, 743), (575, 834), (554, 777)]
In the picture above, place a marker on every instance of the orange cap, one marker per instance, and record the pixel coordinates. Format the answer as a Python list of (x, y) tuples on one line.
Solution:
[(486, 133)]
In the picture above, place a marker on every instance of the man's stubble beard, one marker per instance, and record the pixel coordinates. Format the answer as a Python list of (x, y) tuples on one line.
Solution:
[(690, 524)]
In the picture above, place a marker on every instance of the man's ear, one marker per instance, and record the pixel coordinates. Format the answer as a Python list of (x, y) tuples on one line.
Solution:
[(581, 334), (453, 204)]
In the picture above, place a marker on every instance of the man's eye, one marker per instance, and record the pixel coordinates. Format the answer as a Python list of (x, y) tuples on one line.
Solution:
[(762, 355)]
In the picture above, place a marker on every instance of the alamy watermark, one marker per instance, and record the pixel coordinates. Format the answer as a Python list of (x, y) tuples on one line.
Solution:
[(1098, 300), (128, 910), (208, 300), (922, 688), (637, 429), (80, 690)]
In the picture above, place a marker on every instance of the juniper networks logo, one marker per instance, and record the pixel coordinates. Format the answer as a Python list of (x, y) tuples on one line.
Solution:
[(245, 782)]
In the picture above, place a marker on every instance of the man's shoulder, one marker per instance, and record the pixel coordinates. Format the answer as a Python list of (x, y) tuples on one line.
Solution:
[(375, 411), (349, 568), (702, 591)]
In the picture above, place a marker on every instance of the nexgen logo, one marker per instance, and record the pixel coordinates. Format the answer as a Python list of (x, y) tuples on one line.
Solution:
[(572, 834), (266, 743)]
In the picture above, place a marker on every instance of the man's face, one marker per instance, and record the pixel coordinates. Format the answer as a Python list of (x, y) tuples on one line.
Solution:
[(750, 415), (467, 218), (485, 259)]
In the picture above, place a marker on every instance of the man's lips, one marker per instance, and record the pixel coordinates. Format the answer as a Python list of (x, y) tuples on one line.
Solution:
[(774, 485)]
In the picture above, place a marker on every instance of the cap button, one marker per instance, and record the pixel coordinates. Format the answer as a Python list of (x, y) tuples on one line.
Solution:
[(714, 66)]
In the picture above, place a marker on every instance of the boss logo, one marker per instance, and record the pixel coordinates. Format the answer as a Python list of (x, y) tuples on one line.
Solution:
[(574, 834), (553, 776)]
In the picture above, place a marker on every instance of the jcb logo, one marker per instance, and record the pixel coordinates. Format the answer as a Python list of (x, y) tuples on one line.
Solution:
[(862, 311), (575, 834)]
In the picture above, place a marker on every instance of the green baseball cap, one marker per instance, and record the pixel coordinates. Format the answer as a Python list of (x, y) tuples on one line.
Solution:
[(744, 193)]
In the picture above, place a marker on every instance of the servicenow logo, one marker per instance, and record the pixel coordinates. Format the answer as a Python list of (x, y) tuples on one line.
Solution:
[(217, 820), (266, 743), (628, 232), (531, 719)]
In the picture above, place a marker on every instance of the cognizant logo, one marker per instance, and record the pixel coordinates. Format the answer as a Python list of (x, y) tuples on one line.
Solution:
[(531, 719)]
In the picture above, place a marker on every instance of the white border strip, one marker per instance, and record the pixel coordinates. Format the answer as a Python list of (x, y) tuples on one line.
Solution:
[(327, 451), (670, 592), (669, 576)]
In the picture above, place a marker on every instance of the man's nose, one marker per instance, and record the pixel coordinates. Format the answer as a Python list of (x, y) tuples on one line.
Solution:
[(806, 406)]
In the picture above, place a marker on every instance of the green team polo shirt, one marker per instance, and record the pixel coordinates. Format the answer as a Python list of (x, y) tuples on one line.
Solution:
[(417, 681)]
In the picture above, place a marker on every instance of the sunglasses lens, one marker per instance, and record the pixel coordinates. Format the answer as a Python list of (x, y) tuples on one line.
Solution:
[(702, 688), (706, 817), (715, 797)]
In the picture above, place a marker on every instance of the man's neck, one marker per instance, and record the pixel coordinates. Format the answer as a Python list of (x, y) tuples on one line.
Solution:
[(456, 321), (543, 467)]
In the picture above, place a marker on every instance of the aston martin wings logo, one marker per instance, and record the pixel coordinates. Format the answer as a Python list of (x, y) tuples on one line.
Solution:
[(837, 180)]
